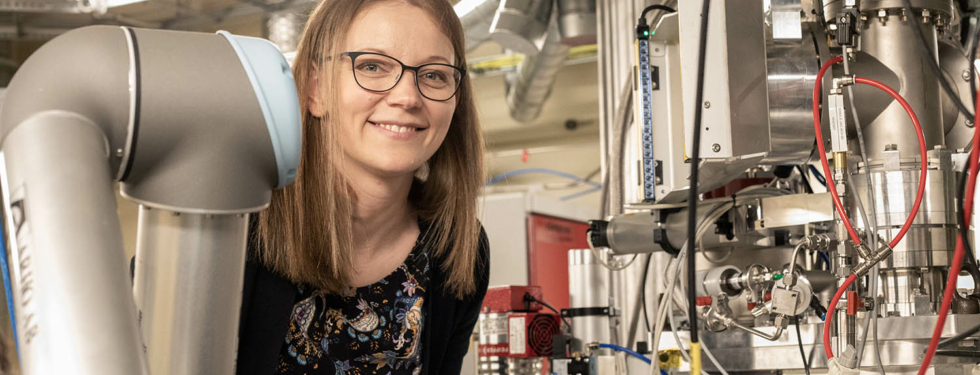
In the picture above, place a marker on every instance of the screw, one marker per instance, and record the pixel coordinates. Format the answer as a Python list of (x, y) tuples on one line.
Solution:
[(969, 123), (707, 104), (119, 152), (965, 75), (891, 147), (716, 147), (882, 16)]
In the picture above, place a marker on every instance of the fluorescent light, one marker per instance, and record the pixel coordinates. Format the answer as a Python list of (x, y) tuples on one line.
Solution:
[(116, 3)]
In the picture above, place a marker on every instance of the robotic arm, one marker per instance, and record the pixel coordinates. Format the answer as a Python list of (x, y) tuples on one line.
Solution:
[(199, 129)]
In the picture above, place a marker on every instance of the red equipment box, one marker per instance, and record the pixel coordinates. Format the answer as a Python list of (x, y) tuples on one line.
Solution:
[(503, 299), (528, 334)]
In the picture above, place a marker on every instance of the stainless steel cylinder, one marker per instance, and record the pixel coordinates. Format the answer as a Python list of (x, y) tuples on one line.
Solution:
[(893, 45), (911, 280), (188, 288), (588, 286), (73, 307)]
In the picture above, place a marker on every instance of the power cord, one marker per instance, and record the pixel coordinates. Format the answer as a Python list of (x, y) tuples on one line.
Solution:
[(529, 298), (692, 199)]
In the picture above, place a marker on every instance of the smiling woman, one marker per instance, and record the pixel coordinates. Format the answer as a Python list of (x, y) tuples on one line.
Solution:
[(352, 265)]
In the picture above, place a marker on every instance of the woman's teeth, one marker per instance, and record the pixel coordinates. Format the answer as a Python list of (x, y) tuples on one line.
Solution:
[(397, 129)]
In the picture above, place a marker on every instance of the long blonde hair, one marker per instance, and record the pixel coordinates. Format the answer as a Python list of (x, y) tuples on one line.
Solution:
[(306, 234)]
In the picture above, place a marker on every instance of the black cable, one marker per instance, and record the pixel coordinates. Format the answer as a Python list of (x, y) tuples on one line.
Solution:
[(958, 353), (643, 293), (643, 16), (932, 61), (692, 199), (799, 340), (959, 337), (530, 298), (973, 67)]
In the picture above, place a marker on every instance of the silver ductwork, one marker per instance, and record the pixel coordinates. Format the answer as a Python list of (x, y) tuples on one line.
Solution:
[(476, 17), (522, 25), (530, 86)]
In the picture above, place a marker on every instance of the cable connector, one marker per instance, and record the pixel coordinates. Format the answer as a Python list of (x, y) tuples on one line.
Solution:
[(841, 82)]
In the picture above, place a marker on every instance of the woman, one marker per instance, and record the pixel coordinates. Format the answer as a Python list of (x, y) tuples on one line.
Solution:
[(373, 261)]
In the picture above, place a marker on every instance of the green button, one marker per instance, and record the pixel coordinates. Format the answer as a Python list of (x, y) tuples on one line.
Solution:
[(777, 276)]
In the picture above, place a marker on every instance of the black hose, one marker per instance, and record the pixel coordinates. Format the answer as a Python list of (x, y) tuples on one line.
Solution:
[(799, 340), (932, 62), (692, 199), (643, 293)]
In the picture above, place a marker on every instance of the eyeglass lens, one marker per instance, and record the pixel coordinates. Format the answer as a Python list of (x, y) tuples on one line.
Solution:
[(381, 73)]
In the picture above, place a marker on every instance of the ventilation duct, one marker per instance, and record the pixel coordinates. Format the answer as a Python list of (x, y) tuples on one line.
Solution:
[(476, 17), (521, 25), (530, 86)]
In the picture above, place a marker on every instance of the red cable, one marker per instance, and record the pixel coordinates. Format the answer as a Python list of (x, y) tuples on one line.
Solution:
[(828, 321), (922, 155), (954, 269), (837, 203)]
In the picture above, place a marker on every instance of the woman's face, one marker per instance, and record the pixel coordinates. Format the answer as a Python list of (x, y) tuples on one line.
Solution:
[(393, 133)]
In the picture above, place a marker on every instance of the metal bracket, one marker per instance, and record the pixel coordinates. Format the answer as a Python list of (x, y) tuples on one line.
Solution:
[(589, 311)]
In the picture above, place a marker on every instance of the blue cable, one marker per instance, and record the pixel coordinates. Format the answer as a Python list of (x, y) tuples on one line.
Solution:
[(8, 292), (632, 353), (818, 176), (823, 256), (579, 194), (516, 172)]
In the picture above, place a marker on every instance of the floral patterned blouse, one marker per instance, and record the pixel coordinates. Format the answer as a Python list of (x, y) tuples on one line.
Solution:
[(371, 330)]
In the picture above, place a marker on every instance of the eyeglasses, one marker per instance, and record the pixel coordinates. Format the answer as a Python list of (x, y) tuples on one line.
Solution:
[(380, 73)]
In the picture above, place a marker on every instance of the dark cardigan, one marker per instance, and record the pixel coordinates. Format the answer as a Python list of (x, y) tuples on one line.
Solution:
[(268, 299)]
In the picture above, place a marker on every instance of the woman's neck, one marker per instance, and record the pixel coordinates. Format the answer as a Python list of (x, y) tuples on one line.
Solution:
[(381, 209)]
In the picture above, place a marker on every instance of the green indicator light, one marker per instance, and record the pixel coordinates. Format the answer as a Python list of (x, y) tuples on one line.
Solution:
[(646, 33), (777, 276)]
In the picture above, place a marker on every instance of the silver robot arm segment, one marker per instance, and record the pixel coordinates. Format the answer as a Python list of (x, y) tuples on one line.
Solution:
[(199, 129)]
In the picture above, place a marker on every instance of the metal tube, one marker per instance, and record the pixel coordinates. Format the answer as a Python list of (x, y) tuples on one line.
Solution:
[(188, 288), (73, 306), (588, 286)]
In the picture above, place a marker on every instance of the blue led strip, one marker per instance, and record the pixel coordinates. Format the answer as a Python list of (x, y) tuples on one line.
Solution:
[(646, 101)]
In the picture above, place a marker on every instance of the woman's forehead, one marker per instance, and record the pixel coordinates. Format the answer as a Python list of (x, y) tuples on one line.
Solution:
[(401, 30)]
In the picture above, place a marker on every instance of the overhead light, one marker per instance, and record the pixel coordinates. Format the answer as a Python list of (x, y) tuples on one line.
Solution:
[(116, 3)]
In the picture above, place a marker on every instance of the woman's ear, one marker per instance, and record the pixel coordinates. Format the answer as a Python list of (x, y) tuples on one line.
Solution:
[(314, 95)]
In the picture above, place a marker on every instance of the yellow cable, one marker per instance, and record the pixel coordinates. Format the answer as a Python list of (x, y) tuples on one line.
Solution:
[(695, 358)]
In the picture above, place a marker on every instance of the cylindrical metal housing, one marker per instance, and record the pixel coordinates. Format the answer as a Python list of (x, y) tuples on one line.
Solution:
[(188, 289), (577, 21), (893, 45), (588, 286), (73, 305), (714, 281), (911, 280)]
